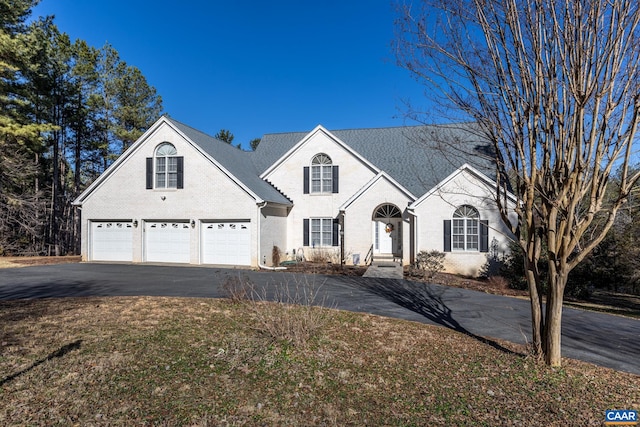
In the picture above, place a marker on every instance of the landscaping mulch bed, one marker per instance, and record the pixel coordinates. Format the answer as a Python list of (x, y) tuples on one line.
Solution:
[(493, 285), (325, 268)]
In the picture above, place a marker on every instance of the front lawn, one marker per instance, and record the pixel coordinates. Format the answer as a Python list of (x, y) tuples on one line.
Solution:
[(184, 361)]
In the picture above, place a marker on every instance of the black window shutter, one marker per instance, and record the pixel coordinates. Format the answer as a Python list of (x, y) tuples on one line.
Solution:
[(447, 235), (180, 172), (334, 177), (305, 232), (149, 173), (336, 230), (305, 182), (484, 235)]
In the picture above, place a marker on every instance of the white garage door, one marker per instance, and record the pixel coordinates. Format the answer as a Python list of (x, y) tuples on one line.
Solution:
[(167, 241), (226, 243), (112, 241)]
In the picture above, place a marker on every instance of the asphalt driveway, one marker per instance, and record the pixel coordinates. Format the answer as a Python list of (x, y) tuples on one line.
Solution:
[(606, 340)]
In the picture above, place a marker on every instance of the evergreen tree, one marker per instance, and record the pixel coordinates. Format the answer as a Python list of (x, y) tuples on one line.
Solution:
[(137, 105), (67, 110), (224, 135), (20, 142)]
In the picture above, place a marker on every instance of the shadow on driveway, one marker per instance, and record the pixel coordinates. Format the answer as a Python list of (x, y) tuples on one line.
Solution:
[(424, 300)]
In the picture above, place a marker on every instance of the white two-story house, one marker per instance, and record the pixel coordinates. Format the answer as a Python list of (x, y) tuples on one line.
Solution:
[(178, 195)]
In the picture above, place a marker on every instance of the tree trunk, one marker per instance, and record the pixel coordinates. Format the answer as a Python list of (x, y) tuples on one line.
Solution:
[(553, 324), (531, 248), (536, 314)]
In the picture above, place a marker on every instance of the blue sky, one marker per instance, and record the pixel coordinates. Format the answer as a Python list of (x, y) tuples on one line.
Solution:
[(255, 67)]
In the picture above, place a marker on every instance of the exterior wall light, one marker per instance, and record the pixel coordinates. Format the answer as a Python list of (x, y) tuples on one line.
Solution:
[(135, 223), (193, 223)]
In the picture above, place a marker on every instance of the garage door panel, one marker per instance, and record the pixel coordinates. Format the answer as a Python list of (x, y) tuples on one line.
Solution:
[(112, 241), (167, 242), (226, 243)]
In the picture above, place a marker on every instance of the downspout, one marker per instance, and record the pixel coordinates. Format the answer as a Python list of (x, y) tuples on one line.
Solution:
[(260, 265), (413, 235), (341, 216)]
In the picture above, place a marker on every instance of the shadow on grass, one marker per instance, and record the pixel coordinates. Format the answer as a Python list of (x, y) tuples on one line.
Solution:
[(426, 301), (61, 352)]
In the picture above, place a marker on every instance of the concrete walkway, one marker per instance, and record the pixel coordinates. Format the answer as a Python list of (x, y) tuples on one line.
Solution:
[(385, 270)]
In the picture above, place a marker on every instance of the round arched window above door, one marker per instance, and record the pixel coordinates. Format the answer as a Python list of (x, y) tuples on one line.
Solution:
[(387, 211)]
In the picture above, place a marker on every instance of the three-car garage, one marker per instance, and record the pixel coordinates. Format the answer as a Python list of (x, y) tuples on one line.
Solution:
[(172, 241)]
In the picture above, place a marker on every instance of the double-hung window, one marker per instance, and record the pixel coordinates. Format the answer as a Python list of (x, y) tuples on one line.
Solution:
[(321, 177), (465, 230), (321, 232), (321, 174), (166, 168)]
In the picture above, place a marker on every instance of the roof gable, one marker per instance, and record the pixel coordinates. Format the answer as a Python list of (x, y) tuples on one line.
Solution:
[(380, 176), (235, 163), (466, 168), (305, 139), (119, 161), (417, 157)]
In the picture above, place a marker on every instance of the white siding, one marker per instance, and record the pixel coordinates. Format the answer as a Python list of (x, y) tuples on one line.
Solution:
[(359, 217), (464, 189), (273, 232), (288, 177), (208, 194)]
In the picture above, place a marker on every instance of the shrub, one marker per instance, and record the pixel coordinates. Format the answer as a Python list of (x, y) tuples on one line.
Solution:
[(323, 255), (495, 262), (513, 267), (237, 289), (498, 282), (292, 313), (579, 290), (430, 262), (275, 255)]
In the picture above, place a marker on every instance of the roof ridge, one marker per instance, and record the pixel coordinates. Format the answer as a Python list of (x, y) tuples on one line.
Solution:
[(431, 125), (199, 131)]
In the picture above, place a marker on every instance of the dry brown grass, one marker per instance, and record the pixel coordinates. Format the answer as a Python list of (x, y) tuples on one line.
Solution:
[(171, 361), (19, 261)]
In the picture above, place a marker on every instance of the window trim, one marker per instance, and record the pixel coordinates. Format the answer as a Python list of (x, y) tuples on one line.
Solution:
[(165, 156), (325, 232), (321, 174), (465, 226)]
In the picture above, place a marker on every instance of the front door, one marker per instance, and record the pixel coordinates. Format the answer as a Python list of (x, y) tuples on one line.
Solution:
[(385, 236), (387, 220)]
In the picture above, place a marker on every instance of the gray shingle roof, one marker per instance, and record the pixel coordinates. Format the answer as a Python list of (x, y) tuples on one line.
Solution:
[(418, 157), (236, 161)]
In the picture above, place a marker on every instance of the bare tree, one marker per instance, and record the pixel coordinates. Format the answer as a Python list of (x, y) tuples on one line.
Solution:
[(554, 86)]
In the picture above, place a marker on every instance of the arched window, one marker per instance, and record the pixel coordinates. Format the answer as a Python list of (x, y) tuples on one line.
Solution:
[(465, 230), (321, 174), (387, 211), (166, 168)]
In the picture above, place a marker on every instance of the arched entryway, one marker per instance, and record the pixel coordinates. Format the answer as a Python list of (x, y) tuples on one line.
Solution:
[(387, 230)]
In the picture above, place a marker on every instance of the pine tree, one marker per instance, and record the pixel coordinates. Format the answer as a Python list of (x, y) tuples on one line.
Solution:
[(20, 142)]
